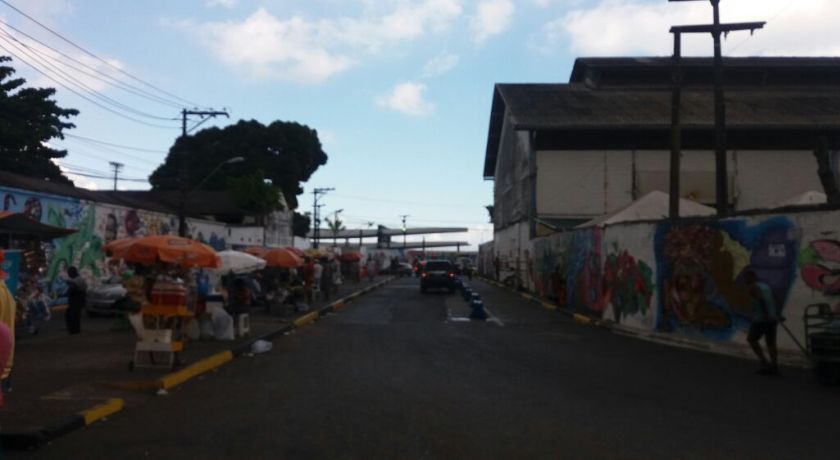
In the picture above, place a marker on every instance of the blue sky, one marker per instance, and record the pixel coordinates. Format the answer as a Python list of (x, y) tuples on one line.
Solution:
[(399, 91)]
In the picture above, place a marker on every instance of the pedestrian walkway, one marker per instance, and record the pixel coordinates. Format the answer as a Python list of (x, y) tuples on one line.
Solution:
[(57, 375)]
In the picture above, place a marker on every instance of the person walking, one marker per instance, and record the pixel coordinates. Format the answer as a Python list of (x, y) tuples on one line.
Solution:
[(327, 279), (76, 292), (765, 321), (371, 268)]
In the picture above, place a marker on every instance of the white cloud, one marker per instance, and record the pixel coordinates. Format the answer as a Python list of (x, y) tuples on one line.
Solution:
[(635, 27), (407, 98), (78, 181), (492, 18), (307, 50), (223, 3), (440, 64)]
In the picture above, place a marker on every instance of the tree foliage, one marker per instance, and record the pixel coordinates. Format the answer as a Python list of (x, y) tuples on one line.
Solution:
[(301, 224), (287, 152), (29, 118), (253, 193)]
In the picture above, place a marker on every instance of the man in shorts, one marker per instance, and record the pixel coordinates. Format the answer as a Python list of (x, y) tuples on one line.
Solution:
[(765, 321)]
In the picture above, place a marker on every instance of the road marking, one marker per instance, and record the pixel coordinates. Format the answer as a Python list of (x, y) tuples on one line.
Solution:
[(493, 318)]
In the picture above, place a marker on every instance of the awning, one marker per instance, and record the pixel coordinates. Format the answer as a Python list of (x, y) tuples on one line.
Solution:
[(19, 226)]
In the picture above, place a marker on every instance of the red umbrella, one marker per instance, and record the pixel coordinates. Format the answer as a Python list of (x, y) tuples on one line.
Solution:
[(283, 258), (351, 256)]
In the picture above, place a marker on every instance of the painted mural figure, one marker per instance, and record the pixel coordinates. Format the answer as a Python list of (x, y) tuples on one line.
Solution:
[(765, 321)]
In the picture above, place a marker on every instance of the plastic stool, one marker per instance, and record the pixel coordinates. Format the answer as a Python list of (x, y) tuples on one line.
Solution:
[(243, 325)]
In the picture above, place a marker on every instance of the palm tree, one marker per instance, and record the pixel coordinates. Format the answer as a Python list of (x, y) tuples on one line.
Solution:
[(335, 225)]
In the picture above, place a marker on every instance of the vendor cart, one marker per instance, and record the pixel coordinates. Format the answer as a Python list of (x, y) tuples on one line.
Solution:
[(160, 335), (822, 335)]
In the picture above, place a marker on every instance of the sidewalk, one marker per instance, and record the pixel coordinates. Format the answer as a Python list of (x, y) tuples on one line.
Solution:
[(56, 375)]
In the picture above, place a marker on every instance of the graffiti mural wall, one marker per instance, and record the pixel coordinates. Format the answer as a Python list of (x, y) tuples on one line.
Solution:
[(688, 278), (700, 271), (82, 249)]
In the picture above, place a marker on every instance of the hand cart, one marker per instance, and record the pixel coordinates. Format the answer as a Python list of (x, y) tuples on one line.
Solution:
[(161, 334), (822, 335)]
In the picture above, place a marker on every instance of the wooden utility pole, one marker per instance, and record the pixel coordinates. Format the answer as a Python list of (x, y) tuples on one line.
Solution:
[(117, 166), (716, 29), (204, 114)]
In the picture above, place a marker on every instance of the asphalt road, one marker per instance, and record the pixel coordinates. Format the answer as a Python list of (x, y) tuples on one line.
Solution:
[(398, 374)]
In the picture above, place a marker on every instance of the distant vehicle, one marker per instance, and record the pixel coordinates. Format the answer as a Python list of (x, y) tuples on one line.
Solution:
[(437, 274), (102, 299), (401, 269)]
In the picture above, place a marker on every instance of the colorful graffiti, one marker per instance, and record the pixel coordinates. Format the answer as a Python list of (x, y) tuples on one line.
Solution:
[(700, 269), (568, 269), (628, 284), (820, 267)]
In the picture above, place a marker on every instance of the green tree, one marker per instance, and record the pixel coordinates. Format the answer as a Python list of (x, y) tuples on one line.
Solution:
[(29, 118), (253, 193), (301, 225), (287, 152)]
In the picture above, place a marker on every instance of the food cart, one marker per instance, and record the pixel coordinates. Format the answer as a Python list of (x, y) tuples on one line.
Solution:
[(161, 322)]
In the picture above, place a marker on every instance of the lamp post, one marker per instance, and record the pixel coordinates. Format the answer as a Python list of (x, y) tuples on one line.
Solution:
[(182, 212)]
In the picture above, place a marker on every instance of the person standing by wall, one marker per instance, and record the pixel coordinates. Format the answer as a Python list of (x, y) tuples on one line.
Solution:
[(327, 273), (76, 292), (765, 322)]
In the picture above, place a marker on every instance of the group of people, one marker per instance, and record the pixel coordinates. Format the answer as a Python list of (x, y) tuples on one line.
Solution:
[(321, 276)]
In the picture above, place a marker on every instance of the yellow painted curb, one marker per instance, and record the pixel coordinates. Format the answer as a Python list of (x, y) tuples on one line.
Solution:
[(525, 296), (549, 306), (103, 410), (176, 378), (338, 305), (306, 319), (580, 319)]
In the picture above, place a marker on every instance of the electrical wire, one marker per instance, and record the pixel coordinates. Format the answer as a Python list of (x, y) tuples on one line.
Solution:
[(80, 48), (37, 56), (103, 107), (104, 76), (773, 18), (413, 203), (95, 176), (138, 149), (107, 150)]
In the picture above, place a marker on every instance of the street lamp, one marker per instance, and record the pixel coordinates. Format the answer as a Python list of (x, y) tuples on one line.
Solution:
[(182, 213)]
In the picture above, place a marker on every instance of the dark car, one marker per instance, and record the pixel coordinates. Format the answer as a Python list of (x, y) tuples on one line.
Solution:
[(438, 274)]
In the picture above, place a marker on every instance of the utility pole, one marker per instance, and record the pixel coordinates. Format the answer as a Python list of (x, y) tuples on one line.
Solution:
[(316, 195), (335, 226), (716, 29), (117, 166), (404, 217), (204, 114)]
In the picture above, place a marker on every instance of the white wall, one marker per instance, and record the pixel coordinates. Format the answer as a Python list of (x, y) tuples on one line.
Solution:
[(594, 183)]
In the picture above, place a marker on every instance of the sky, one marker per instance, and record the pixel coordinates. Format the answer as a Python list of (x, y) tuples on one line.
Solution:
[(399, 91)]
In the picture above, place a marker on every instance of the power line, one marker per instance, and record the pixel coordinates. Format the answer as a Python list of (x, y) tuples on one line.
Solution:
[(772, 18), (103, 107), (71, 43), (96, 176), (107, 78), (73, 80), (106, 150), (138, 149), (413, 203)]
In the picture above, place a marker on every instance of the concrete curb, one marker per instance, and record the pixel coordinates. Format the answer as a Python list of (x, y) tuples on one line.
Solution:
[(33, 440)]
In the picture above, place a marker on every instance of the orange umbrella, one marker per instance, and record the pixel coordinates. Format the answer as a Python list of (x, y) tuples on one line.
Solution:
[(164, 248), (296, 251), (283, 258)]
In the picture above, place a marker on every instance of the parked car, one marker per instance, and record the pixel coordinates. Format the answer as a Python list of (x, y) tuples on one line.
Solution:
[(101, 299), (437, 274)]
